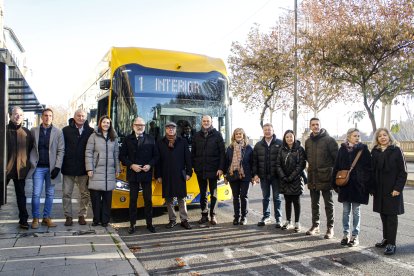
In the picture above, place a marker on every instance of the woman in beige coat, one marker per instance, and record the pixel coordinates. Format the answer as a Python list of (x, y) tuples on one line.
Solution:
[(102, 165)]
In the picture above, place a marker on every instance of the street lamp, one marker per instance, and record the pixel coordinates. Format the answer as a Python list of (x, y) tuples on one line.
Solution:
[(295, 75)]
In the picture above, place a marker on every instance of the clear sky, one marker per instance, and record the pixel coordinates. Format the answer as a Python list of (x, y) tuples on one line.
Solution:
[(64, 40)]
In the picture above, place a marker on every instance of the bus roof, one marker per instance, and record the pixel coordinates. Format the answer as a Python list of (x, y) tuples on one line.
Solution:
[(163, 59)]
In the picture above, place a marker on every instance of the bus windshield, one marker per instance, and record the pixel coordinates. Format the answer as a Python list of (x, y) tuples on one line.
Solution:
[(160, 96)]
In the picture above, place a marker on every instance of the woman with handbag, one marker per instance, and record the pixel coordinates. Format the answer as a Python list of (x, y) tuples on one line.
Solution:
[(390, 176), (238, 170), (290, 164), (353, 154)]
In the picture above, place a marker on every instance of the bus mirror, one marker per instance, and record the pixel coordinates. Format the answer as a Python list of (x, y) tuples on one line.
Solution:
[(105, 84)]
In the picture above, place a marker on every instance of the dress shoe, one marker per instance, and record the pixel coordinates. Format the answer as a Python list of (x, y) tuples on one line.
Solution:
[(104, 224), (81, 220), (24, 225), (69, 221), (243, 221), (329, 233), (95, 223), (48, 222), (236, 221), (390, 249), (35, 223), (204, 219), (213, 220), (381, 244), (151, 228), (185, 224), (263, 222), (345, 240), (131, 229), (171, 224), (314, 230), (278, 224)]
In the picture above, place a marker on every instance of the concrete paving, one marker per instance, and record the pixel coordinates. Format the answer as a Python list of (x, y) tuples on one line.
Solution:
[(61, 250)]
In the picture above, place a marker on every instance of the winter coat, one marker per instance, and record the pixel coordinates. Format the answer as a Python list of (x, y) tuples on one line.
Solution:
[(19, 142), (321, 151), (75, 145), (174, 165), (389, 174), (56, 151), (208, 153), (101, 157), (247, 162), (359, 183), (264, 158), (145, 154), (290, 164)]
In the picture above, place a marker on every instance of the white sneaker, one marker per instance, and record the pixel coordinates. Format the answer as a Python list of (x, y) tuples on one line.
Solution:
[(354, 241), (297, 227), (287, 225)]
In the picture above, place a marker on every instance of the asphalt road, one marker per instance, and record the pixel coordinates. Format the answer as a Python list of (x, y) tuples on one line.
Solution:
[(225, 249)]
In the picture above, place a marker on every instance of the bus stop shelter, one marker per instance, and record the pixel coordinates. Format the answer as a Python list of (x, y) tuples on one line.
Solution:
[(14, 91)]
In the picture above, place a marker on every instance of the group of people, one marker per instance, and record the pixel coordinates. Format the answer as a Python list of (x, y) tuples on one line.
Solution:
[(279, 165), (91, 160)]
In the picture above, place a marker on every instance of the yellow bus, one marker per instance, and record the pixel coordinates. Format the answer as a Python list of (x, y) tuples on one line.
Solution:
[(159, 86)]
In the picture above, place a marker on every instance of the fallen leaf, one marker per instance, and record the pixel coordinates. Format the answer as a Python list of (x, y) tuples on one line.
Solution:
[(135, 249), (180, 262), (195, 273)]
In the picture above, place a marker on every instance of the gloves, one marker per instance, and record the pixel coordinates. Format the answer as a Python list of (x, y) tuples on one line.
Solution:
[(54, 173)]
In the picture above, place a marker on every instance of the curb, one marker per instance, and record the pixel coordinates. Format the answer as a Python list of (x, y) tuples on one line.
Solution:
[(133, 261)]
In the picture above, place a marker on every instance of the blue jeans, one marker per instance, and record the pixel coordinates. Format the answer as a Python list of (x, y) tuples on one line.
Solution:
[(356, 216), (42, 175), (266, 185)]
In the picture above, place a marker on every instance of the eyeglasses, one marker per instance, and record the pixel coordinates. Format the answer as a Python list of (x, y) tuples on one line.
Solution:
[(139, 125), (170, 127)]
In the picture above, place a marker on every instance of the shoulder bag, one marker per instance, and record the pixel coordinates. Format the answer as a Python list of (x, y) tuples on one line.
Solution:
[(342, 177)]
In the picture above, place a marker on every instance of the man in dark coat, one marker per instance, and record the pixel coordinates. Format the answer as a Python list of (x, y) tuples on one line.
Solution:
[(208, 159), (265, 155), (19, 144), (76, 136), (321, 150), (139, 155), (173, 170)]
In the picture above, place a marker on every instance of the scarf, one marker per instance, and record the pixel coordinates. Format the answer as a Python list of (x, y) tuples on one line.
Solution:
[(206, 131), (236, 162), (171, 140)]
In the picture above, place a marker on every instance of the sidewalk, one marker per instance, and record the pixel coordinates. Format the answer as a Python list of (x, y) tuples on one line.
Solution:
[(61, 250)]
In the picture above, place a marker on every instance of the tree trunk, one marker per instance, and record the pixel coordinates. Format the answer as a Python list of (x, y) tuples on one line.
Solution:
[(371, 114)]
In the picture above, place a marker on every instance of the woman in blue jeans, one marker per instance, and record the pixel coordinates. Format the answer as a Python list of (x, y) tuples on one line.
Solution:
[(238, 170), (356, 191)]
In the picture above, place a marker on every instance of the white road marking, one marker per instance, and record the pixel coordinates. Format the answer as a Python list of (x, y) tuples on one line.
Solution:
[(304, 260), (271, 260), (55, 200), (229, 255), (189, 257)]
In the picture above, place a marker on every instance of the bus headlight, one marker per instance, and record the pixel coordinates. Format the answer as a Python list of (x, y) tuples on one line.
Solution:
[(121, 185)]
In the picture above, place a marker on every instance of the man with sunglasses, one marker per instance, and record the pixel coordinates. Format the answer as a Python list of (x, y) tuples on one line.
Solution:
[(139, 154)]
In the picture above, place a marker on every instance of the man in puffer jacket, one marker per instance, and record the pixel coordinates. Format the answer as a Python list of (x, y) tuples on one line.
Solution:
[(321, 150), (208, 159), (265, 155), (76, 135)]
